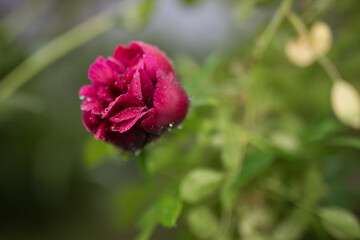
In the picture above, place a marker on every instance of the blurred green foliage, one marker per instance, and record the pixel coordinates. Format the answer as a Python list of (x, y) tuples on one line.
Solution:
[(261, 154)]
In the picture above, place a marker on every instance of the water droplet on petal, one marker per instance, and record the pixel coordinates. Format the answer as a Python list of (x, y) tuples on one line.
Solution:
[(171, 124)]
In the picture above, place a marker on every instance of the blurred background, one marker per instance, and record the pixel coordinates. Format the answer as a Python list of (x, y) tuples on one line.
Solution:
[(261, 111)]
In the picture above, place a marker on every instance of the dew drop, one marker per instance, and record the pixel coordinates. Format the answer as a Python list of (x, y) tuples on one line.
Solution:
[(82, 97)]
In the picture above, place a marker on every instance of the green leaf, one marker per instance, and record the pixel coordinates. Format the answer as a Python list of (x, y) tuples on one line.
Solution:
[(294, 226), (97, 151), (340, 222), (170, 209), (253, 165), (322, 130), (200, 184), (165, 210), (346, 142), (228, 194), (147, 224), (203, 223)]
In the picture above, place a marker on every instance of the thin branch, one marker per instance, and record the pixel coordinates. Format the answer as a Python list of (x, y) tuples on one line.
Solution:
[(54, 50), (265, 38)]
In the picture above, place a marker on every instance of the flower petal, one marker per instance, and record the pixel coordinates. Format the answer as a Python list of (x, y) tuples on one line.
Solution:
[(135, 86), (95, 106), (87, 91), (170, 100), (147, 88), (104, 92), (90, 121), (100, 72), (130, 140), (100, 132), (120, 103), (126, 124), (115, 65), (127, 114), (163, 62), (125, 55), (124, 80), (150, 66), (149, 122)]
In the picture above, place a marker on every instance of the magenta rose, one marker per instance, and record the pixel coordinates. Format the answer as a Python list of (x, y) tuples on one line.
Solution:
[(133, 97)]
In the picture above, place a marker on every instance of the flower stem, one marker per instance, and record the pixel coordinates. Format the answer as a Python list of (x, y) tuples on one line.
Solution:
[(329, 68), (264, 39), (54, 50)]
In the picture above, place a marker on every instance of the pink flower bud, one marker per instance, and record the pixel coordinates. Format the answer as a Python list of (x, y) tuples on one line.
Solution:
[(133, 97)]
